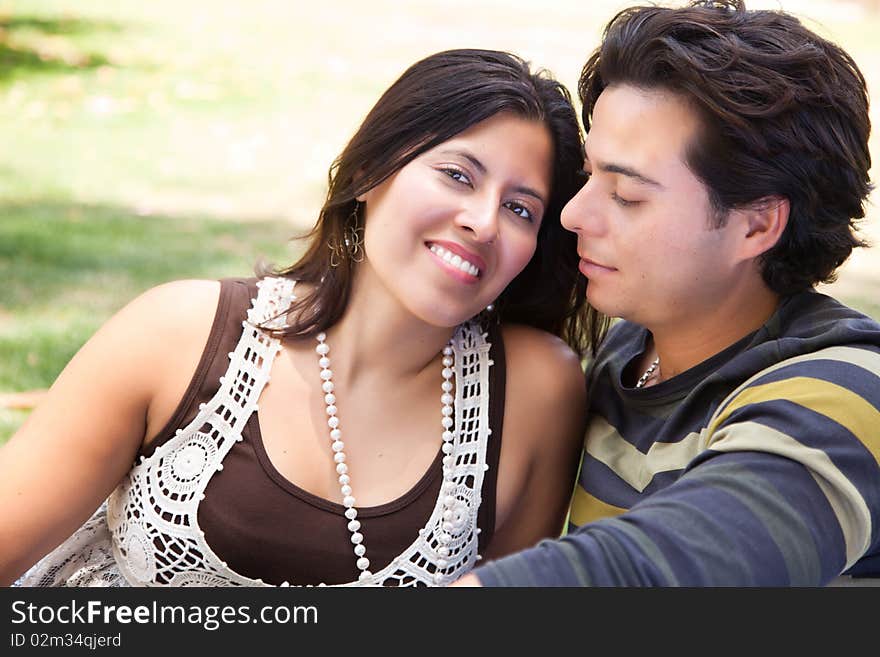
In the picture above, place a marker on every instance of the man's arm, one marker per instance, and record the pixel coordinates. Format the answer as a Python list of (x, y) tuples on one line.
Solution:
[(740, 519), (787, 492)]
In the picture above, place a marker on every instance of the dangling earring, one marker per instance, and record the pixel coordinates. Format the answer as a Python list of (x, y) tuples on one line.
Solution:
[(354, 236), (353, 241)]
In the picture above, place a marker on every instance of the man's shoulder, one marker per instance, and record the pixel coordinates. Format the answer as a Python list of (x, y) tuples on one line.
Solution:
[(825, 360), (812, 314)]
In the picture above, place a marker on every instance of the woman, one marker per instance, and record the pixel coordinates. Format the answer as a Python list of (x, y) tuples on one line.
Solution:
[(437, 263)]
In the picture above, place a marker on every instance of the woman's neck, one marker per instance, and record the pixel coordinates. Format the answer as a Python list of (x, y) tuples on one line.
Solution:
[(378, 338)]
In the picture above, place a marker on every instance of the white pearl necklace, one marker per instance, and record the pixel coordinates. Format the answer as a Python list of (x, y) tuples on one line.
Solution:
[(447, 490)]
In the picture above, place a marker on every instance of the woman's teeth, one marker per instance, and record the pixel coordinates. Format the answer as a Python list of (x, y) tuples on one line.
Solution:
[(455, 260)]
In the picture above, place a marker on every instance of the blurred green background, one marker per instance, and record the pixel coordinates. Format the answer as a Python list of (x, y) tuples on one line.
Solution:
[(146, 141)]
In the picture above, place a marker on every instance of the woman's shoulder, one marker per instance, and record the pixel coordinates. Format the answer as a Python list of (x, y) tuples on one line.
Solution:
[(183, 295), (545, 376), (175, 311), (540, 357)]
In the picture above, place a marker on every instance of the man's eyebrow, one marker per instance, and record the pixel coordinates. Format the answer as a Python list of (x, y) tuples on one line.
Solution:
[(629, 172), (479, 166)]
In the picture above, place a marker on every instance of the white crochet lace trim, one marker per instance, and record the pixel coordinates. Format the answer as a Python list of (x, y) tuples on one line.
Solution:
[(147, 533)]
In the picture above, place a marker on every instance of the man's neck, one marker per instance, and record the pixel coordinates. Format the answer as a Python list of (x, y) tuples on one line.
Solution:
[(697, 338)]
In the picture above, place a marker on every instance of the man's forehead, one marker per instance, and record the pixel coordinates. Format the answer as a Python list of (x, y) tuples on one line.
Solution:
[(642, 129)]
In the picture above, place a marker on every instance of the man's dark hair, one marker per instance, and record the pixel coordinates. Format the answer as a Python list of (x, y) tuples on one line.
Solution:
[(434, 100), (783, 112)]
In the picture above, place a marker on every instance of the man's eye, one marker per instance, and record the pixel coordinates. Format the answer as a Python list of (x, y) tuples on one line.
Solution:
[(622, 202)]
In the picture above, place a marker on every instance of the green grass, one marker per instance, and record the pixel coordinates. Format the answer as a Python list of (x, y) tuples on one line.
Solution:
[(72, 266)]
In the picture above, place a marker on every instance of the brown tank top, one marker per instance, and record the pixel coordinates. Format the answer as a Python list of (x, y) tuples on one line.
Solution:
[(267, 527)]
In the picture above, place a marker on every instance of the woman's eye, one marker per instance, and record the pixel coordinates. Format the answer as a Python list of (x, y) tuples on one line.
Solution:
[(457, 176), (622, 201), (520, 210)]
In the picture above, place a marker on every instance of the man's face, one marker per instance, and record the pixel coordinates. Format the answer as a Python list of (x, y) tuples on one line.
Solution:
[(644, 220)]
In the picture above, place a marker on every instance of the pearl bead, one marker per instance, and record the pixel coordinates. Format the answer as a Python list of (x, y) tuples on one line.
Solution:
[(321, 336), (449, 500), (363, 563), (447, 515), (339, 457), (447, 448), (446, 398), (333, 422), (329, 398), (447, 422), (354, 525), (326, 375), (341, 468), (446, 386), (331, 410), (448, 435), (337, 446), (360, 550), (365, 575), (447, 350), (324, 362), (447, 373), (441, 563), (335, 434), (322, 349), (348, 501), (346, 490), (443, 551), (448, 486), (344, 479), (327, 386), (351, 513), (447, 361), (447, 460), (357, 538)]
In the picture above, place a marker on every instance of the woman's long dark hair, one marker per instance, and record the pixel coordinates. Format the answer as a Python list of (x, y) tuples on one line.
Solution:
[(434, 100)]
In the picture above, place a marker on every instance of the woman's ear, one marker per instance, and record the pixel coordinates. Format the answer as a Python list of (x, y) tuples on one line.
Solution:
[(763, 223)]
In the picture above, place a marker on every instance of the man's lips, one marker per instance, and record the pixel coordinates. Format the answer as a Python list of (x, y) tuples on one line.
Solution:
[(590, 268)]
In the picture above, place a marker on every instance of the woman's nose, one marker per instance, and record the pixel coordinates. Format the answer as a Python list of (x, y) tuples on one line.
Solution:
[(481, 220)]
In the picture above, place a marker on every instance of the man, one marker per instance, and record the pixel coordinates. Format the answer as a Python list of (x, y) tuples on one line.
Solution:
[(735, 414)]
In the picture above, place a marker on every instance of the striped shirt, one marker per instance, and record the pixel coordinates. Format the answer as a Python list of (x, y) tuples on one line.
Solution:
[(757, 467)]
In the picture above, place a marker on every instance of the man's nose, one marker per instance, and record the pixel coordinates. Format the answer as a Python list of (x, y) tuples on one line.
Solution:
[(582, 213)]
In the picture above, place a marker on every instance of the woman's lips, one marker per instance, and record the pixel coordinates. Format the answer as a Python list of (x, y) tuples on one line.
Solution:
[(457, 261)]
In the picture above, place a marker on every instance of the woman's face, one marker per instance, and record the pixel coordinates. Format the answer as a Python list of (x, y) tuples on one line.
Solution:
[(449, 231)]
